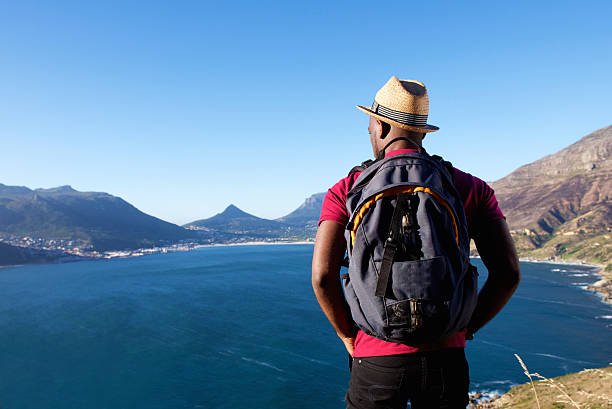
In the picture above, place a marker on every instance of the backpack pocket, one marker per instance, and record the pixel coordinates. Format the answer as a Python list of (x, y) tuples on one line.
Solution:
[(418, 299), (426, 279)]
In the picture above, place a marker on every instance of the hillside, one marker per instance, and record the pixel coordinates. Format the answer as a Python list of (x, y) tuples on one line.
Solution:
[(591, 388), (100, 220), (561, 205)]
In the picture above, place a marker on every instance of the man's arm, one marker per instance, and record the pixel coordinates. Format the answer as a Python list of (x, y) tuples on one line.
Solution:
[(326, 262), (498, 254)]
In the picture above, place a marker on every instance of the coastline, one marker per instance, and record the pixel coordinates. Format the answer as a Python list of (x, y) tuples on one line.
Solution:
[(602, 287), (564, 263), (158, 250), (254, 243)]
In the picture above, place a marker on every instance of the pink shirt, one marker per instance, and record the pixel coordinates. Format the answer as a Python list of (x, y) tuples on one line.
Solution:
[(480, 207)]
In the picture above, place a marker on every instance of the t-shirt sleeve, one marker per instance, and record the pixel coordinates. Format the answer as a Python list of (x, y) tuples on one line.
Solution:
[(479, 201), (334, 203), (487, 207)]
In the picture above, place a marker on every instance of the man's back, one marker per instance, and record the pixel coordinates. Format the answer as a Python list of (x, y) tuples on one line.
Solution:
[(387, 374), (480, 207)]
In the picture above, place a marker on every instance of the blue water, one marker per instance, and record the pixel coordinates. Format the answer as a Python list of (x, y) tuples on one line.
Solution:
[(239, 327)]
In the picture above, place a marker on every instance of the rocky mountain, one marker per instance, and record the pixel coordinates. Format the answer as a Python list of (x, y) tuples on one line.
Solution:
[(306, 216), (101, 220), (561, 205)]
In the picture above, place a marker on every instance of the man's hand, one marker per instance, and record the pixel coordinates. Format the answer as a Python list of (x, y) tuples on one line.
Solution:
[(326, 262), (349, 344)]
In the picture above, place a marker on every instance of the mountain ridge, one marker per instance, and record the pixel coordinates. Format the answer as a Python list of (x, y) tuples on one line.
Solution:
[(560, 206), (98, 219)]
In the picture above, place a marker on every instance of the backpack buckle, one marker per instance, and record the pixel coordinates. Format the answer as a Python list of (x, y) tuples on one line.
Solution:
[(416, 312), (391, 242)]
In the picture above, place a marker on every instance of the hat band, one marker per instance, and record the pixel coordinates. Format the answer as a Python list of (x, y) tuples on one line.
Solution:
[(405, 118)]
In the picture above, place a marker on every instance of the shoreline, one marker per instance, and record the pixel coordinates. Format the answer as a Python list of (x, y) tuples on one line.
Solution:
[(149, 251), (564, 263), (254, 243), (602, 287)]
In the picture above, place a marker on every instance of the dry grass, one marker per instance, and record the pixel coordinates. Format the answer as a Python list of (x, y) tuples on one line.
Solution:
[(588, 389), (530, 376), (559, 386)]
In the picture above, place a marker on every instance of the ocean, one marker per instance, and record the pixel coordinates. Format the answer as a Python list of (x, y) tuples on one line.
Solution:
[(239, 327)]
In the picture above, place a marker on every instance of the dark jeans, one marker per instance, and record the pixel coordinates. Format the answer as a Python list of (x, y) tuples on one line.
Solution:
[(435, 379)]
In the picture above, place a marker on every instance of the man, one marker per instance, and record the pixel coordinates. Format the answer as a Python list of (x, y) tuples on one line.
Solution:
[(386, 374)]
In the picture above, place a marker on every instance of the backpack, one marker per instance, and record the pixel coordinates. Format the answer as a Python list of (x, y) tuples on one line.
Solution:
[(409, 277)]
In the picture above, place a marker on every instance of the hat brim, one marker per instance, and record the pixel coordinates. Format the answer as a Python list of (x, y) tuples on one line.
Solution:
[(427, 128)]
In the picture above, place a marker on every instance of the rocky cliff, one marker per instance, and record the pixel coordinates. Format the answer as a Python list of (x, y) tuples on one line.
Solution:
[(561, 205)]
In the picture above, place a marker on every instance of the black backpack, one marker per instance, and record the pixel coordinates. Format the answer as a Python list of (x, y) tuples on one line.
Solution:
[(410, 279)]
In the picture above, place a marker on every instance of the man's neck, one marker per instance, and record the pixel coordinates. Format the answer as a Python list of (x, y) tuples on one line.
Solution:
[(403, 144)]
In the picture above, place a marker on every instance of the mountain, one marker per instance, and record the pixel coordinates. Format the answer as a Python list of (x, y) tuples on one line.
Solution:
[(236, 222), (307, 213), (561, 205), (306, 216), (101, 220)]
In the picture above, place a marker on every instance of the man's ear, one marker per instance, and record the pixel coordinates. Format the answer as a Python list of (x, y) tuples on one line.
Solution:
[(386, 128)]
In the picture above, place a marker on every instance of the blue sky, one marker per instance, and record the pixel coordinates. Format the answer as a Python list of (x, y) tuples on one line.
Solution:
[(182, 108)]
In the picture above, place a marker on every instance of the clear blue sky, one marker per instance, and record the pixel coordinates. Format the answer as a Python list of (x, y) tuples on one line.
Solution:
[(182, 108)]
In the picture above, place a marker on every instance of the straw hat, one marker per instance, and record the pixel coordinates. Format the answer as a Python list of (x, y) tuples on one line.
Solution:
[(402, 103)]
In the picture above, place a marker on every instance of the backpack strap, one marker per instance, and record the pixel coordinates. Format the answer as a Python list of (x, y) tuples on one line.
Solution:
[(391, 244), (360, 168), (449, 166)]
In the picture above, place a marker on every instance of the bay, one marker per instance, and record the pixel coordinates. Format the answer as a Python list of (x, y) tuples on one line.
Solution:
[(239, 327)]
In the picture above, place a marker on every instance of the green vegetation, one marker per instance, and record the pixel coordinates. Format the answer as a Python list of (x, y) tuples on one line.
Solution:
[(589, 248)]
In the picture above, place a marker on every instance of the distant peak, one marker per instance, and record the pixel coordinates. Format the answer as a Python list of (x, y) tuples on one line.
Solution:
[(13, 189), (59, 189), (233, 211)]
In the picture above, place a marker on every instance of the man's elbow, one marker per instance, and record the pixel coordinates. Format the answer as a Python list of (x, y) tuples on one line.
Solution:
[(318, 279), (511, 276), (514, 276)]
